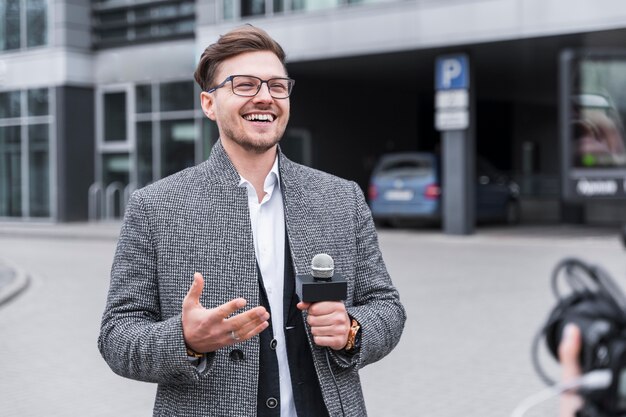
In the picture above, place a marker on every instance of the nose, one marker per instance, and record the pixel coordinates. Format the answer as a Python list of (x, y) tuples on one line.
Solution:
[(264, 93)]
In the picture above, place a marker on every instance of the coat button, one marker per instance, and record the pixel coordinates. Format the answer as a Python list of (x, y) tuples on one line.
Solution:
[(273, 344), (236, 355), (271, 402)]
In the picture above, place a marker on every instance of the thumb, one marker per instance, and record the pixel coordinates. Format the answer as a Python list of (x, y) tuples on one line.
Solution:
[(192, 299), (569, 351)]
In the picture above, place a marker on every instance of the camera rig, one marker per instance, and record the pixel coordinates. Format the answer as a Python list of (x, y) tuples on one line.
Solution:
[(596, 304)]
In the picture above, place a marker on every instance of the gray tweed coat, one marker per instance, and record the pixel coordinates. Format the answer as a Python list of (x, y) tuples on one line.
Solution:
[(198, 220)]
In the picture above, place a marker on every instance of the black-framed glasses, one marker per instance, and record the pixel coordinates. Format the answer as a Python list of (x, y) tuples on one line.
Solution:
[(249, 86)]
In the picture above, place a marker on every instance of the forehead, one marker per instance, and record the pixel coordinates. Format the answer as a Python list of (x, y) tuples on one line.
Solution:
[(263, 64)]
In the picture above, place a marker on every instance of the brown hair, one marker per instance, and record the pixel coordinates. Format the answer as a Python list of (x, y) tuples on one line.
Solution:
[(242, 39)]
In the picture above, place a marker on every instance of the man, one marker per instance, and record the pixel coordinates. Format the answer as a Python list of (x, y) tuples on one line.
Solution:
[(202, 297)]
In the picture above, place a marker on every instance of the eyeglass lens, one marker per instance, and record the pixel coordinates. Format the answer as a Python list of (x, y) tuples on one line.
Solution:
[(250, 86)]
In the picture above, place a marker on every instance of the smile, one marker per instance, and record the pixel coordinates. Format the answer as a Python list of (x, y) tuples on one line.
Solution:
[(258, 117)]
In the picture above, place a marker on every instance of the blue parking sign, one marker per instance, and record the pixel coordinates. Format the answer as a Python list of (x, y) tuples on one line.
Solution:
[(452, 72)]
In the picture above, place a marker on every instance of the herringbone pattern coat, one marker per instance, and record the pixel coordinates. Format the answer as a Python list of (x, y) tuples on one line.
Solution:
[(198, 220)]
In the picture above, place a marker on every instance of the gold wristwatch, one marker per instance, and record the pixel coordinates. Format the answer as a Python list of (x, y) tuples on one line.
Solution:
[(354, 330), (192, 353)]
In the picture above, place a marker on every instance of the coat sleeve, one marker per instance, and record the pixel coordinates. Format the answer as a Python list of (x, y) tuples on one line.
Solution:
[(376, 302), (135, 340)]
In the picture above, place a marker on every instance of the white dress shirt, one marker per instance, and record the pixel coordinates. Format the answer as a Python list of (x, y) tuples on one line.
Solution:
[(268, 231)]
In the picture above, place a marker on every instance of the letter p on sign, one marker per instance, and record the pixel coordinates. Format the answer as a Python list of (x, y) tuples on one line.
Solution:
[(451, 72), (451, 69)]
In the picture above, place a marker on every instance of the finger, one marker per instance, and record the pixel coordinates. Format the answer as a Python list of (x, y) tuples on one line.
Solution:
[(569, 351), (255, 316), (303, 306), (248, 333), (326, 307), (248, 321), (337, 318), (334, 342), (325, 331), (230, 307), (195, 291)]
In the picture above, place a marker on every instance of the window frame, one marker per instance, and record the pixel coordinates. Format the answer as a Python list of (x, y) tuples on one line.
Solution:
[(24, 28), (24, 121)]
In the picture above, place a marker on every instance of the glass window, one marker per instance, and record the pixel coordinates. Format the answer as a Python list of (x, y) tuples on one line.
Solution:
[(113, 35), (228, 11), (252, 7), (187, 8), (10, 171), (598, 110), (36, 23), (315, 4), (38, 166), (112, 17), (185, 26), (10, 103), (114, 117), (143, 13), (177, 96), (9, 24), (177, 145), (144, 153), (143, 32), (38, 102), (115, 168), (115, 176), (279, 6), (144, 98), (166, 11), (166, 29)]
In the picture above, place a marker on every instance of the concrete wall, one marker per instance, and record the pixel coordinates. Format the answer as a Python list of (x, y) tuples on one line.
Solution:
[(172, 60), (405, 25)]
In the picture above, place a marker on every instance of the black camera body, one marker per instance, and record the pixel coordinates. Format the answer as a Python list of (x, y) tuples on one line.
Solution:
[(598, 308)]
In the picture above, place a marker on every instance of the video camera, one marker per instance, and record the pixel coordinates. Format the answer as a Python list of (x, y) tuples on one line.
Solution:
[(598, 307)]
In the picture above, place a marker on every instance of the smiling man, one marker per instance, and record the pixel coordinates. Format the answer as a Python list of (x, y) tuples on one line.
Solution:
[(202, 298)]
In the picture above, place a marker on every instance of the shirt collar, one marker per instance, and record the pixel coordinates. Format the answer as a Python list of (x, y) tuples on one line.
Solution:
[(272, 179)]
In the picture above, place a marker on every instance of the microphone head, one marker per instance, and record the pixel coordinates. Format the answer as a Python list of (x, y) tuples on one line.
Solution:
[(322, 266)]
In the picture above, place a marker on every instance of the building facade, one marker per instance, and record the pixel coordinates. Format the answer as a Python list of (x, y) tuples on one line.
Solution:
[(97, 97)]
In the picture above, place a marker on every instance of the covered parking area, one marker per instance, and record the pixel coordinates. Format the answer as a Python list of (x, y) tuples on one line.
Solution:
[(354, 109)]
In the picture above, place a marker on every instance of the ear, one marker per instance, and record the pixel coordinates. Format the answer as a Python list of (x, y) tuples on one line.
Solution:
[(208, 103)]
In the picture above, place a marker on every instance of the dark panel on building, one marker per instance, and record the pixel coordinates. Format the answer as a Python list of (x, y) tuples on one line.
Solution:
[(75, 151), (352, 123)]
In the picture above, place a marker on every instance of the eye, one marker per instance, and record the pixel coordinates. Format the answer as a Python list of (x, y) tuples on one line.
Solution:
[(279, 86), (245, 84)]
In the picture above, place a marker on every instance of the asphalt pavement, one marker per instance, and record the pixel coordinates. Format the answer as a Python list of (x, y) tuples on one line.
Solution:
[(473, 304)]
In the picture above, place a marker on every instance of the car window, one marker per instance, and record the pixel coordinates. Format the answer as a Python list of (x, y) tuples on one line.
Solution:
[(406, 167)]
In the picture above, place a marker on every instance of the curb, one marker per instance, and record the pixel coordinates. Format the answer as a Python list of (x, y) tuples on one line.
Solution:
[(72, 231), (18, 282)]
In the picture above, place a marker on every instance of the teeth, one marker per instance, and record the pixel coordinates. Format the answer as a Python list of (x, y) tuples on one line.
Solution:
[(259, 117)]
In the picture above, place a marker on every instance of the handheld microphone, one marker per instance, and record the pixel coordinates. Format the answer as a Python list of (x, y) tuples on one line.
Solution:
[(322, 284)]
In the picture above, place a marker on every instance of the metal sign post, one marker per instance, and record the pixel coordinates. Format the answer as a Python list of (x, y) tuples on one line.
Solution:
[(453, 117)]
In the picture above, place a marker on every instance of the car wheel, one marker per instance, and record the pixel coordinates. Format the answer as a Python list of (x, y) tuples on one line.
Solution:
[(513, 215)]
